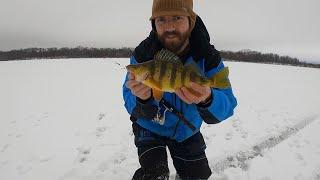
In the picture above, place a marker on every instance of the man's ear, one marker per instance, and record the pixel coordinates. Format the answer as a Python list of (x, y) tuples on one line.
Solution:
[(153, 25)]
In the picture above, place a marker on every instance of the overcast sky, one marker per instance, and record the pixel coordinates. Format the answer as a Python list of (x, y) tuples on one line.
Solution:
[(286, 27)]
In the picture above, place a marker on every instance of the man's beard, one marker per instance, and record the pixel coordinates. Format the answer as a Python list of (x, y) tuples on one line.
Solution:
[(174, 46)]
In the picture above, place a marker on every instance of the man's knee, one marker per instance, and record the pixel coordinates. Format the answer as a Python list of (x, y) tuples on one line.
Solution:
[(192, 169), (154, 164), (153, 157)]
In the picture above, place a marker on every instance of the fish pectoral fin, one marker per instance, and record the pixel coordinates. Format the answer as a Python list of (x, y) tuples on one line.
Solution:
[(153, 84), (157, 94), (194, 68)]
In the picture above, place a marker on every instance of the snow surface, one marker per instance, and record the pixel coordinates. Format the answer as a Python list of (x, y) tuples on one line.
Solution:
[(65, 120)]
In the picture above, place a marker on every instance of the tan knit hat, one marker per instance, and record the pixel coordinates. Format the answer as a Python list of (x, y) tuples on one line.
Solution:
[(174, 7)]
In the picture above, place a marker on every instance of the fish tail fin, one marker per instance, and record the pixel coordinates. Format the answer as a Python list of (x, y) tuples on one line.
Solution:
[(220, 79)]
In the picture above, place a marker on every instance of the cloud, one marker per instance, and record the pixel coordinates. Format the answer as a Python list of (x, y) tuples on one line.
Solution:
[(248, 24)]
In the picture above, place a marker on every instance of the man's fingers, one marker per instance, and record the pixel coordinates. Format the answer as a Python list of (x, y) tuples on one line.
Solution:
[(143, 92), (137, 88), (198, 88), (190, 95), (182, 96), (140, 90), (202, 91), (131, 83), (131, 76)]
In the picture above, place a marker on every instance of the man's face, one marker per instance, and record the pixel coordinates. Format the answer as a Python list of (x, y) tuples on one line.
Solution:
[(173, 31)]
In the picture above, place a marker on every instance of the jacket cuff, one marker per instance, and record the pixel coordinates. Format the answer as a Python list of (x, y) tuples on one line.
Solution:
[(149, 100), (206, 115), (146, 109), (206, 104)]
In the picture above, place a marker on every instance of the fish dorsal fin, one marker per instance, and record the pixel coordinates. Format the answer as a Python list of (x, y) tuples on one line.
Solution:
[(166, 55)]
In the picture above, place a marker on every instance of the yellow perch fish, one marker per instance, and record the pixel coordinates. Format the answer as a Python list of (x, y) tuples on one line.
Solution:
[(166, 73)]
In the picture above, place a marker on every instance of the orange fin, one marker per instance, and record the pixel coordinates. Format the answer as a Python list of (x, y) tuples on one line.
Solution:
[(157, 94)]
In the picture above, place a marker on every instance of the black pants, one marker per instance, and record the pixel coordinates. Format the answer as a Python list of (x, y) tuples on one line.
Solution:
[(189, 158)]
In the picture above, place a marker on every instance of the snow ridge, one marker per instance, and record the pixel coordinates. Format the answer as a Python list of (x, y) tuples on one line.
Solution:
[(241, 158)]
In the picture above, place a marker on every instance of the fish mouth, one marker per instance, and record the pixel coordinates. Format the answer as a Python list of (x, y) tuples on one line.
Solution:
[(129, 68)]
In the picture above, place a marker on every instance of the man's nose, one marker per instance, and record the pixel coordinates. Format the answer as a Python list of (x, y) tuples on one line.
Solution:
[(169, 26)]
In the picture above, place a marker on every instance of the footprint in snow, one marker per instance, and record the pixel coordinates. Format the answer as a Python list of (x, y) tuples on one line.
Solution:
[(3, 163), (237, 125), (207, 138), (101, 116), (120, 159), (18, 136), (229, 136), (39, 118), (23, 170), (100, 131), (300, 159), (104, 166), (244, 135), (4, 148), (83, 153), (46, 159)]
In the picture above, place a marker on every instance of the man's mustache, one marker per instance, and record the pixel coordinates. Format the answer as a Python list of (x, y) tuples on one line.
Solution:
[(171, 33)]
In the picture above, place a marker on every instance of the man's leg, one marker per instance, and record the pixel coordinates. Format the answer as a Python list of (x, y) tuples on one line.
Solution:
[(152, 155), (189, 158)]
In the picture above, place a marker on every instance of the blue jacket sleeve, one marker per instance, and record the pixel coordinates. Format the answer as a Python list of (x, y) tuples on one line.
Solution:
[(222, 105), (136, 107)]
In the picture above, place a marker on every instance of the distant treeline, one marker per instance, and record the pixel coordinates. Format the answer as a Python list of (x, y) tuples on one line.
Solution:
[(55, 53), (269, 58), (84, 52)]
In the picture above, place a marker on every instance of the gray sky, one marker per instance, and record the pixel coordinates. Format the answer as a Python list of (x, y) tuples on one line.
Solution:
[(286, 27)]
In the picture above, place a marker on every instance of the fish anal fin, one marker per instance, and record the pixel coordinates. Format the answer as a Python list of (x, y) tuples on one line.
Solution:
[(157, 94)]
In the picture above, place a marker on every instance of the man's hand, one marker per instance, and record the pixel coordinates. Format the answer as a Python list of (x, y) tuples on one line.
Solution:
[(137, 88), (194, 94)]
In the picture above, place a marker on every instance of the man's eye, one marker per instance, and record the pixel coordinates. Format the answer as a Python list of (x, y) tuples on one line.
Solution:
[(160, 20), (178, 18)]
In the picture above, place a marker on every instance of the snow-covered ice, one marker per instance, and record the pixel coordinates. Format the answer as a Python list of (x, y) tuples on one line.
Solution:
[(65, 120)]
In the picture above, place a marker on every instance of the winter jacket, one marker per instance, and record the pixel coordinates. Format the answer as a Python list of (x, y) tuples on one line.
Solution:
[(147, 113)]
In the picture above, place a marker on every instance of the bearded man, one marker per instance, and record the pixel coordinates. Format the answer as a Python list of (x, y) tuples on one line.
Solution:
[(177, 28)]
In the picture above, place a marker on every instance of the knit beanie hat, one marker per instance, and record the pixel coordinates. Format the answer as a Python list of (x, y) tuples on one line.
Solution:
[(174, 8)]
